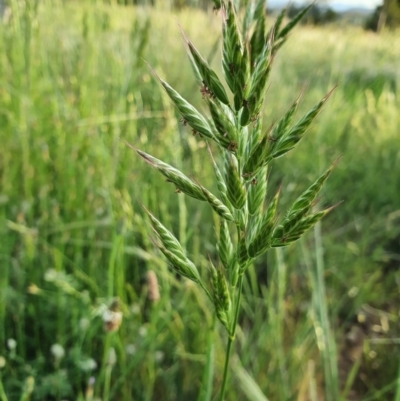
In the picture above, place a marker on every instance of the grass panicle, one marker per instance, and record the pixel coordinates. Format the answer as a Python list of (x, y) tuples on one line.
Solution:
[(246, 151)]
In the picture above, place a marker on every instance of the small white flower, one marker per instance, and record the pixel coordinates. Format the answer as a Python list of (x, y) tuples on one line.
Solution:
[(84, 324), (87, 364), (112, 320), (142, 331), (58, 351), (130, 349), (50, 275), (135, 309), (12, 344), (158, 356)]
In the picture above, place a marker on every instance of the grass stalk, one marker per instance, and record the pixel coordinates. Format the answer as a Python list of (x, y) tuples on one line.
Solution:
[(3, 396), (278, 323), (206, 390), (231, 338), (328, 343), (397, 395)]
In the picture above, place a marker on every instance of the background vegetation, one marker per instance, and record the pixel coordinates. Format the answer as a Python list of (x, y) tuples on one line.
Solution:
[(73, 88)]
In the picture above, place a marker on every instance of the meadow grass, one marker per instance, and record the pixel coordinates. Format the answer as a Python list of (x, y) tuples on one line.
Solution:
[(73, 87)]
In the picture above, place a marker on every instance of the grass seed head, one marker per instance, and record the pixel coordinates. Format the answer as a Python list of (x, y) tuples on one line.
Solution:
[(306, 199), (235, 189), (217, 205), (232, 47), (189, 113), (282, 238), (242, 252), (221, 296), (112, 317), (258, 158), (209, 77), (225, 246), (291, 137), (265, 229), (184, 267), (182, 183), (167, 239), (223, 124), (256, 192)]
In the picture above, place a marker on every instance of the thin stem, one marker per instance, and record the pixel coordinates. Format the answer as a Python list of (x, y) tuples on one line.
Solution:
[(231, 338), (225, 377), (3, 396)]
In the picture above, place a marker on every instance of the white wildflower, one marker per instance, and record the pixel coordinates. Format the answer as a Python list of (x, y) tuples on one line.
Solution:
[(87, 365), (130, 349), (11, 344), (158, 356), (58, 351)]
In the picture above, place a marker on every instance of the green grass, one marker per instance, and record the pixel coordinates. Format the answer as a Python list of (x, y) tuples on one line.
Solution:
[(73, 88)]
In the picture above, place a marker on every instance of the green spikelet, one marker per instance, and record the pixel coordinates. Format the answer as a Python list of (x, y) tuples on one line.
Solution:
[(209, 77), (248, 18), (256, 192), (225, 247), (278, 22), (303, 204), (173, 250), (257, 41), (254, 94), (293, 22), (259, 157), (245, 114), (223, 124), (263, 237), (220, 181), (282, 35), (281, 239), (217, 205), (295, 134), (223, 141), (189, 113), (235, 190), (262, 152), (222, 301), (243, 77), (255, 135), (306, 199), (232, 47), (184, 267), (182, 183), (282, 126), (242, 253), (166, 237)]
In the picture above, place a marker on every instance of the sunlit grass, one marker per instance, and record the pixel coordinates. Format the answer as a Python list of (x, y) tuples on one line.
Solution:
[(73, 88)]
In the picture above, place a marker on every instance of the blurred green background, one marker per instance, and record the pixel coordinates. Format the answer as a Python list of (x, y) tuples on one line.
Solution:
[(73, 88)]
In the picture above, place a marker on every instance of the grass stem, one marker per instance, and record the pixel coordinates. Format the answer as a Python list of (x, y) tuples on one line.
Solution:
[(231, 338)]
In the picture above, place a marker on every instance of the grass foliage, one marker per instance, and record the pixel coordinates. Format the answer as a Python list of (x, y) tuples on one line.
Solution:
[(73, 89)]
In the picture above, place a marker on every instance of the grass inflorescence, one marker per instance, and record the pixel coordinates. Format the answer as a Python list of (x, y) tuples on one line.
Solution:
[(236, 127), (74, 237)]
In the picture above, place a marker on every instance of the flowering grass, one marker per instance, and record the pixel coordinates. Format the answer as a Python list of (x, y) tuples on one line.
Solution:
[(70, 192)]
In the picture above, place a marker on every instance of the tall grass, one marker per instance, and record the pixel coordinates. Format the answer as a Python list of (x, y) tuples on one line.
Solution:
[(72, 88)]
